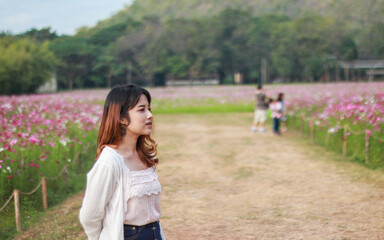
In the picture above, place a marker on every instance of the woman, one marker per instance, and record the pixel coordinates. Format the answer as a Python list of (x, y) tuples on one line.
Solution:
[(122, 198)]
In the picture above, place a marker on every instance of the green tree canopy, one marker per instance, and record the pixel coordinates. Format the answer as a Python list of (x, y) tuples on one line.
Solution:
[(39, 35), (24, 65), (75, 56)]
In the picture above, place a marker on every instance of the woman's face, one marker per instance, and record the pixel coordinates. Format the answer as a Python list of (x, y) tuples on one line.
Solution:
[(141, 118)]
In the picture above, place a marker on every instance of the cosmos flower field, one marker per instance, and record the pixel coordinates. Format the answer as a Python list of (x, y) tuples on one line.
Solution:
[(42, 133)]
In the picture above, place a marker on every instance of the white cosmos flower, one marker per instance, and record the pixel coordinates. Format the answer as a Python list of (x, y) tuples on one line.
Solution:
[(63, 142)]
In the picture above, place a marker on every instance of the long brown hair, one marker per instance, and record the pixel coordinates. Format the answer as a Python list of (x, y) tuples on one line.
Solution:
[(117, 104)]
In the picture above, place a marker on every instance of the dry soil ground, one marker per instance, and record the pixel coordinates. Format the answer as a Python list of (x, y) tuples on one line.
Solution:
[(221, 181)]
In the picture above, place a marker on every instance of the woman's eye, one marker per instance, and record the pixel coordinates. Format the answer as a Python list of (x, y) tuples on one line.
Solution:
[(150, 109), (141, 110)]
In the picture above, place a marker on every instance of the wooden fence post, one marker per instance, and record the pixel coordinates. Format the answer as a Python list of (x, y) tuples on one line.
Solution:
[(345, 140), (45, 198), (17, 210), (366, 148)]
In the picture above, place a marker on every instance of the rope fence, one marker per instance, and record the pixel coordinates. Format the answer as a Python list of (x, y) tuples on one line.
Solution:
[(16, 194), (360, 145), (6, 202)]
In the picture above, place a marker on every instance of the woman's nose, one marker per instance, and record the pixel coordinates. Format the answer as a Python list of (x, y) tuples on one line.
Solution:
[(149, 114)]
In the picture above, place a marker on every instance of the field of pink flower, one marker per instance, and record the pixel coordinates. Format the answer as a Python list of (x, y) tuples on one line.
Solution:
[(40, 133), (323, 104), (359, 104)]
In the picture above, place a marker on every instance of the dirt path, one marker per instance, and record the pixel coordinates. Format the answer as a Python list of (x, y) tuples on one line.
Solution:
[(221, 181)]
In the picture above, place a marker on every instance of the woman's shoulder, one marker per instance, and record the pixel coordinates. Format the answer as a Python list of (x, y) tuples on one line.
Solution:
[(109, 157)]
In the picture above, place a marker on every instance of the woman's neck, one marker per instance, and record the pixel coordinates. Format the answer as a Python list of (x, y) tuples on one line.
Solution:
[(128, 144), (127, 149)]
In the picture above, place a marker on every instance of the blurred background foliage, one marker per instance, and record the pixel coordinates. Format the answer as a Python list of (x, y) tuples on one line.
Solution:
[(152, 41)]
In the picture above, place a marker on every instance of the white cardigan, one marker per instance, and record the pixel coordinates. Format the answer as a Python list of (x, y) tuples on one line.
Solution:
[(106, 197)]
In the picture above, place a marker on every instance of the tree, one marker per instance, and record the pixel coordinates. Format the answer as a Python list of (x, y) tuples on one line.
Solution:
[(108, 65), (24, 65), (270, 41), (127, 48), (142, 51), (191, 47), (231, 40), (375, 46), (75, 56), (283, 57), (108, 35), (41, 35), (311, 38)]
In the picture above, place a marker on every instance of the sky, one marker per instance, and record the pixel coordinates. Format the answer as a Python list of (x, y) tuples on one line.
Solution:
[(63, 16)]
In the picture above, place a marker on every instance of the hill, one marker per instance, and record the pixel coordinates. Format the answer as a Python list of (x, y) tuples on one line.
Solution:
[(356, 12), (300, 40)]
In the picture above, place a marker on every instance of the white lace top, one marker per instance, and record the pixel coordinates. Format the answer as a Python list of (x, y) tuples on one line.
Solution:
[(115, 195), (143, 205)]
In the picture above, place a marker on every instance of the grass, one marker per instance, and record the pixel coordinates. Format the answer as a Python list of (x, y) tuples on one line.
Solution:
[(355, 143), (58, 190), (215, 108), (60, 222)]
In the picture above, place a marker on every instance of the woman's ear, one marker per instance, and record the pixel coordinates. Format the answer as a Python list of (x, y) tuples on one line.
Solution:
[(124, 122)]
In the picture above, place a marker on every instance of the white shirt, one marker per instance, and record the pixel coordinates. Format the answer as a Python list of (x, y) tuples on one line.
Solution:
[(106, 200), (276, 109)]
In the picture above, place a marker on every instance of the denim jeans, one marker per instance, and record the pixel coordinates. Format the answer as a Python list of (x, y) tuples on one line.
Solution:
[(276, 126), (150, 231)]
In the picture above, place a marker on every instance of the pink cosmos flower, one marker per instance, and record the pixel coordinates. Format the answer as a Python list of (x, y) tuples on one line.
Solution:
[(13, 142), (33, 139)]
